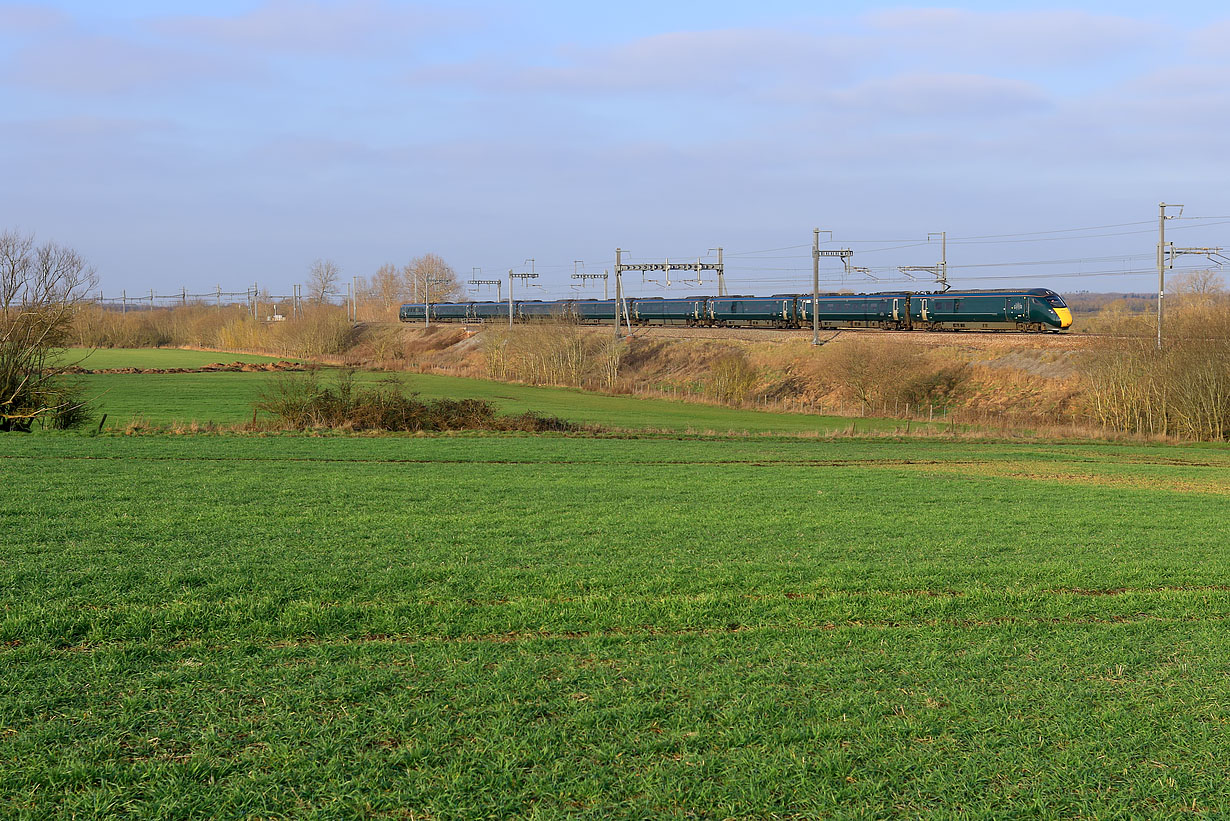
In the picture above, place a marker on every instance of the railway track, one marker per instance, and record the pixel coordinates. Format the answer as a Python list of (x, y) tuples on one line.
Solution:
[(959, 339), (953, 339)]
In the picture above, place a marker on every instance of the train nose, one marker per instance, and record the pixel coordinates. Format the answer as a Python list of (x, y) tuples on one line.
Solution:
[(1065, 317)]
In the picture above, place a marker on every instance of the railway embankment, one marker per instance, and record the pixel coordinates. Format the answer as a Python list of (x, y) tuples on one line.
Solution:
[(1021, 378)]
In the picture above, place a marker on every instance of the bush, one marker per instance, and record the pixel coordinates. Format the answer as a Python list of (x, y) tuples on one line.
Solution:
[(73, 410), (299, 401), (876, 371), (935, 384)]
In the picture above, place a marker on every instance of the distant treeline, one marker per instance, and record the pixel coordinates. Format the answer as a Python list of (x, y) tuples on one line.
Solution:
[(1086, 302)]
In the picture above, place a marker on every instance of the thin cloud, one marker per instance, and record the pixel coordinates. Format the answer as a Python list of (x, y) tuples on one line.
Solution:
[(1210, 83), (288, 26), (719, 62), (87, 127), (1032, 38), (24, 19), (109, 65), (943, 95), (1211, 40)]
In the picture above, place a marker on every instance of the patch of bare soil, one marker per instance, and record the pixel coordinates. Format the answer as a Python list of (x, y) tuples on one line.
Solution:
[(215, 367)]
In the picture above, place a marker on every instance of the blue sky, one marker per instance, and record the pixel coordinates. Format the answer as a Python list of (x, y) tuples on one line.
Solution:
[(229, 142)]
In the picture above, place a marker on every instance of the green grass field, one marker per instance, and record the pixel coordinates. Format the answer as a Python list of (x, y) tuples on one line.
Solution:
[(548, 627), (228, 397), (516, 626)]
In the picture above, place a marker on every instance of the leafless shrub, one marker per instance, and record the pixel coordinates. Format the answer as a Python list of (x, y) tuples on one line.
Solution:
[(731, 378), (321, 331), (552, 352), (495, 352), (611, 353)]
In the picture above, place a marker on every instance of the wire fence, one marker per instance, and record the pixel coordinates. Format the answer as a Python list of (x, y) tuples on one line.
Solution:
[(260, 303)]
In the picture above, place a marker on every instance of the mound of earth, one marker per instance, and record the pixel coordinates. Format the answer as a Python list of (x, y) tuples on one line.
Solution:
[(215, 367)]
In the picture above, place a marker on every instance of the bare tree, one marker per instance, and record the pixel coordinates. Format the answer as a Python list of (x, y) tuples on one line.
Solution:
[(1198, 287), (40, 289), (322, 280), (431, 279), (380, 296)]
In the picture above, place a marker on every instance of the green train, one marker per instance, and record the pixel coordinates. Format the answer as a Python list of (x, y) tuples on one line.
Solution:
[(1036, 310)]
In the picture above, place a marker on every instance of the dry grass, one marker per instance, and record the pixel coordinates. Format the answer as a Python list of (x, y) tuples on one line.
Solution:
[(1182, 389), (323, 330)]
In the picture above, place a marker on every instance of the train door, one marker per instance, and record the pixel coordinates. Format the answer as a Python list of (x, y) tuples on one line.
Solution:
[(896, 310), (923, 307), (1016, 308)]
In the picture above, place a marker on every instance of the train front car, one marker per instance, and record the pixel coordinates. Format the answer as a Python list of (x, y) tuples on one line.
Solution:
[(1053, 308), (1036, 310)]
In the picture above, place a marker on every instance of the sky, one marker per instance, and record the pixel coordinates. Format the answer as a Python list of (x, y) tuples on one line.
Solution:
[(203, 144)]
